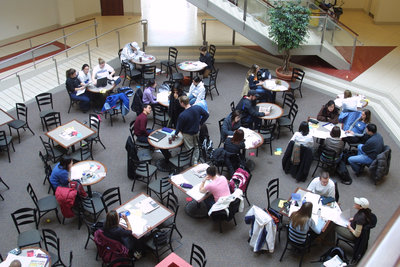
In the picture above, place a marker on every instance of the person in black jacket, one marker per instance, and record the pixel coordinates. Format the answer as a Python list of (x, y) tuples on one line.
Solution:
[(247, 107), (231, 123), (369, 151), (233, 147), (175, 108), (74, 86), (206, 58)]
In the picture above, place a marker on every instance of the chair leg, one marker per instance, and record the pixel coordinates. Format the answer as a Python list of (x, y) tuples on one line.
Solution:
[(102, 144), (315, 169), (179, 233), (133, 184), (58, 219), (283, 253)]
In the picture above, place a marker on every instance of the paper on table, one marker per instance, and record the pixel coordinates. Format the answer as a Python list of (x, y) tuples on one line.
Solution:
[(77, 171), (138, 224), (319, 134), (163, 96), (195, 192), (335, 262), (328, 126), (343, 218), (10, 257), (178, 179), (81, 91)]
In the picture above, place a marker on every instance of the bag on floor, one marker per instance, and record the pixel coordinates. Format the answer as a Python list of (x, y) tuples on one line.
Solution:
[(239, 179), (332, 252), (343, 173)]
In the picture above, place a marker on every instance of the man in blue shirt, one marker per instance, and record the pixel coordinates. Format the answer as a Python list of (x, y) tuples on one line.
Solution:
[(367, 152), (188, 123)]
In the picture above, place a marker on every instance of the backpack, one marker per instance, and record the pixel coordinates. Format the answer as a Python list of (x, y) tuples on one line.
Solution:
[(240, 179), (218, 156), (263, 74), (126, 90), (332, 252), (164, 87), (137, 102)]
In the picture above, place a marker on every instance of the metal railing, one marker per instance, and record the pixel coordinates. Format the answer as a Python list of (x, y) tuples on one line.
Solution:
[(143, 22)]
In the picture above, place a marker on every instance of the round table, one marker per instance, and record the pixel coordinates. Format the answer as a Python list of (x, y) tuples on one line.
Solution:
[(94, 89), (192, 66), (163, 163), (99, 96), (28, 250), (97, 170), (275, 113), (163, 98), (251, 145), (146, 59), (271, 85)]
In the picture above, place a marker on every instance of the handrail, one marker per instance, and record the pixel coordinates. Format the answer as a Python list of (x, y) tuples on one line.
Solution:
[(63, 27), (335, 20), (72, 47), (45, 44)]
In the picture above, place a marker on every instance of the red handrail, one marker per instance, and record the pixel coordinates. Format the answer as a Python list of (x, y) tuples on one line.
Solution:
[(60, 28)]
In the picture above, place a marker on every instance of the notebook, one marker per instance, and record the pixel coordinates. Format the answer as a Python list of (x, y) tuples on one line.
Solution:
[(102, 82), (157, 136)]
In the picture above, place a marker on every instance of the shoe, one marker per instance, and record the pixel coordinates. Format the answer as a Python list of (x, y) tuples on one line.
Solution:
[(347, 182), (137, 255)]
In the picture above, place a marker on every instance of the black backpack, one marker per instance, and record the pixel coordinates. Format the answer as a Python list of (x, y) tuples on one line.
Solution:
[(137, 103), (332, 252)]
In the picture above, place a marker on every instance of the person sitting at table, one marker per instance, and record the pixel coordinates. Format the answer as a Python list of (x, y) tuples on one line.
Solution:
[(149, 93), (329, 113), (84, 75), (301, 222), (247, 107), (303, 136), (233, 147), (60, 174), (129, 52), (361, 218), (140, 127), (358, 128), (206, 58), (255, 84), (334, 142), (369, 151), (231, 124), (73, 87), (217, 186), (349, 102), (174, 108), (15, 263), (104, 70), (113, 230), (322, 185), (197, 91)]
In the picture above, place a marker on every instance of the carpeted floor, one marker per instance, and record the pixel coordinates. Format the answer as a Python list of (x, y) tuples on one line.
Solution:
[(227, 249)]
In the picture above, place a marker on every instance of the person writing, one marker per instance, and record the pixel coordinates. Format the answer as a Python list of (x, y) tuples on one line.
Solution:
[(197, 91), (74, 86), (217, 186), (206, 58), (104, 70), (357, 129), (301, 222), (129, 52), (322, 185), (329, 113), (113, 230), (231, 124), (148, 93), (247, 107), (60, 174), (303, 136)]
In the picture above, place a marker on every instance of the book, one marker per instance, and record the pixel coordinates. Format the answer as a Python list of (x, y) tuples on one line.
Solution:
[(157, 136)]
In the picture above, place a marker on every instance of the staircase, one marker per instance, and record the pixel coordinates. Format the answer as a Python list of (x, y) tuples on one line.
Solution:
[(255, 28)]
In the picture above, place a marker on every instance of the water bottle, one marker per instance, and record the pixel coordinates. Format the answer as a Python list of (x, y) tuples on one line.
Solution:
[(304, 200), (269, 76), (319, 212)]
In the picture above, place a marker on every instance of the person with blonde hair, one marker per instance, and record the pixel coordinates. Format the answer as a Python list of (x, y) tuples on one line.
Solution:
[(301, 222), (104, 70)]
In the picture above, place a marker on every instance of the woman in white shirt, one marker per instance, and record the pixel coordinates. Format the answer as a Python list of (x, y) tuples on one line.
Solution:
[(84, 75), (303, 136)]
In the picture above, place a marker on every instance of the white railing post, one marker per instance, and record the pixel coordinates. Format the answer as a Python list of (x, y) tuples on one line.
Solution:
[(58, 76), (233, 37), (20, 86), (204, 31), (145, 33), (65, 43), (353, 52), (119, 40), (32, 52), (95, 32)]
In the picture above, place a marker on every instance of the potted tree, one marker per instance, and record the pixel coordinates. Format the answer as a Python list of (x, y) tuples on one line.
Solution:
[(289, 22)]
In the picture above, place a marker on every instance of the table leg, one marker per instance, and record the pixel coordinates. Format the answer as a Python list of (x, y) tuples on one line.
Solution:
[(89, 191), (196, 210)]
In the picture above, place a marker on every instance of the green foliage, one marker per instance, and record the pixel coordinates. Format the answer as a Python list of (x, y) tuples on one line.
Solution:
[(288, 27)]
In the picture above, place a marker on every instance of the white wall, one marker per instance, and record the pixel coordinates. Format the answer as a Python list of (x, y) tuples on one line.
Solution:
[(22, 16), (387, 11), (86, 7), (66, 13), (132, 6), (356, 4)]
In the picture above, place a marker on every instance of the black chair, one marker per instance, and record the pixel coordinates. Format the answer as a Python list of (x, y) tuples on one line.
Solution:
[(300, 247), (111, 196), (171, 62), (93, 206), (289, 120), (287, 104), (114, 111), (247, 187), (22, 120), (267, 131), (135, 154), (160, 115), (43, 205), (232, 106), (52, 245), (173, 205), (46, 166), (210, 83), (72, 101), (26, 216), (128, 73), (91, 227), (143, 172), (221, 138), (211, 50), (5, 142), (148, 73), (138, 144), (327, 160), (297, 77), (160, 187), (221, 214), (52, 153), (84, 152), (45, 104), (1, 181), (198, 255), (122, 262), (273, 191), (182, 159), (51, 119), (160, 243), (94, 123)]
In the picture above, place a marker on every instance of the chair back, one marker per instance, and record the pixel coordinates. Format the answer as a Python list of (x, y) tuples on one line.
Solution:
[(288, 101), (211, 50), (267, 131), (160, 115), (233, 208), (22, 111), (293, 112), (24, 216), (86, 150), (272, 189), (94, 122), (220, 123), (33, 195), (298, 74), (296, 238), (172, 54), (132, 130), (48, 148), (185, 158), (198, 255), (51, 241), (162, 241), (3, 137), (44, 101), (111, 196), (328, 156), (232, 106), (52, 119), (149, 72), (172, 203), (119, 53)]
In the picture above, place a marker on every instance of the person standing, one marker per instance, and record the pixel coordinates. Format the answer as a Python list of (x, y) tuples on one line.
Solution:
[(218, 186), (197, 91), (174, 108), (188, 123)]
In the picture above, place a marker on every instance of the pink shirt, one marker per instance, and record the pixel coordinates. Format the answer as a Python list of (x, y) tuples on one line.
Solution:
[(218, 187)]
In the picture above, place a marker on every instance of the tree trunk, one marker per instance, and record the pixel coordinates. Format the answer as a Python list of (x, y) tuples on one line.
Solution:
[(286, 61)]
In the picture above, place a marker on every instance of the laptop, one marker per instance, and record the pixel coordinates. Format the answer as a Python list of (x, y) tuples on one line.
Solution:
[(102, 82), (157, 136)]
